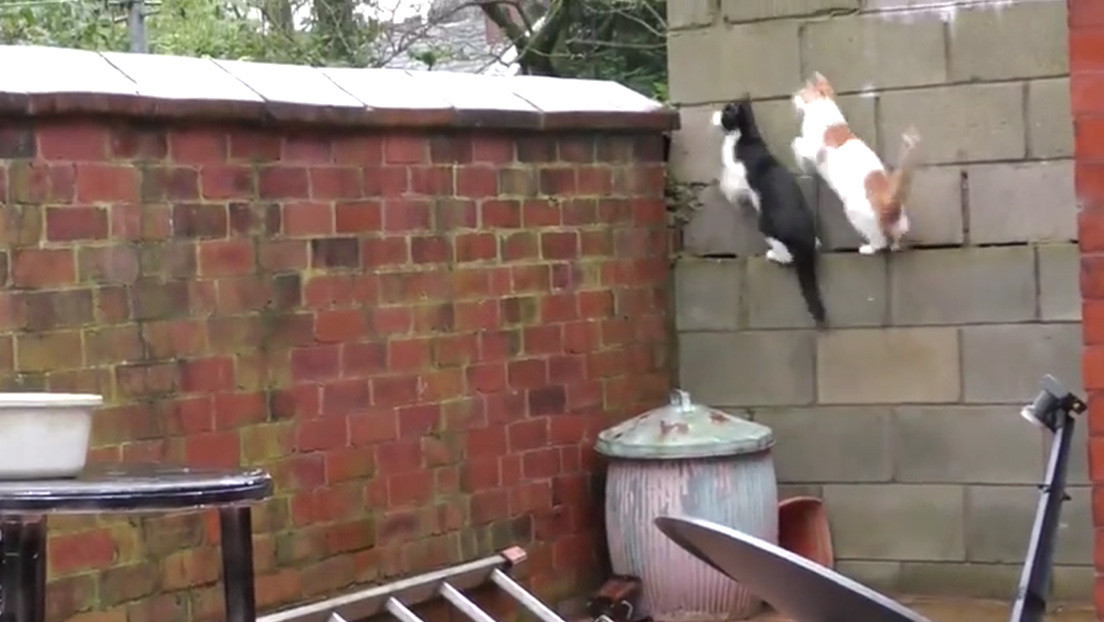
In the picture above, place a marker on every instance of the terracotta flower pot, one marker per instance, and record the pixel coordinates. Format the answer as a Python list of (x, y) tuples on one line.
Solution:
[(803, 529)]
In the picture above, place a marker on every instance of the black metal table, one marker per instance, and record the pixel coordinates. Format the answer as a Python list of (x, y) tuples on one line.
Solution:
[(25, 505)]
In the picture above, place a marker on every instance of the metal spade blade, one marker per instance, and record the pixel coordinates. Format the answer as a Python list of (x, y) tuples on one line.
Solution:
[(794, 586)]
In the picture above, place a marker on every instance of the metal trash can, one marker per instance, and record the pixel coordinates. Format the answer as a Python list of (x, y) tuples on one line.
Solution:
[(685, 459)]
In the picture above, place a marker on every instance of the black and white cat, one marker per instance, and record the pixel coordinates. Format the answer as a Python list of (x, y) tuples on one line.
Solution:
[(749, 172)]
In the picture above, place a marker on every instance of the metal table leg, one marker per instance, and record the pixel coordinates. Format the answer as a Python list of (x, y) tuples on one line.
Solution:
[(23, 573), (237, 564)]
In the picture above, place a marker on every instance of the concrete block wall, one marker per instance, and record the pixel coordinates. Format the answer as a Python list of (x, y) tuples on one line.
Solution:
[(902, 415)]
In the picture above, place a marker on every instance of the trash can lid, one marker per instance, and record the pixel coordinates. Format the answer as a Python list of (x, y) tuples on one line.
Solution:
[(683, 429)]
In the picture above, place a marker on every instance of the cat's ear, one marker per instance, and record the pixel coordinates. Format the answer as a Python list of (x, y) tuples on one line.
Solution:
[(819, 78)]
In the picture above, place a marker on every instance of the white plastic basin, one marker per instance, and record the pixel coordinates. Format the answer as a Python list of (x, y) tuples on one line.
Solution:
[(45, 435)]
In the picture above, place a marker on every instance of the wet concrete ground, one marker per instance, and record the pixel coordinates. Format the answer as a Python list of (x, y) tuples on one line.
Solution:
[(961, 610)]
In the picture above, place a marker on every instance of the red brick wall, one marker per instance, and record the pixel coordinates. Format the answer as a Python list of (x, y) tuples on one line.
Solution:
[(1086, 46), (417, 334)]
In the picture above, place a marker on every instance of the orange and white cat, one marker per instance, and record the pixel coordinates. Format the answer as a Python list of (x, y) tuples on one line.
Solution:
[(873, 199)]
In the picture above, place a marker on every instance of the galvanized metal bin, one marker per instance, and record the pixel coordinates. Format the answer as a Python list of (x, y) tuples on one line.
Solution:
[(685, 459)]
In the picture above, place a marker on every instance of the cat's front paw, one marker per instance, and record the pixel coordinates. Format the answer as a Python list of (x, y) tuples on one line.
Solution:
[(778, 259), (867, 249)]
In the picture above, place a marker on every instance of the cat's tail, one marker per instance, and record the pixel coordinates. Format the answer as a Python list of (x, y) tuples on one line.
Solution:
[(805, 265), (900, 180)]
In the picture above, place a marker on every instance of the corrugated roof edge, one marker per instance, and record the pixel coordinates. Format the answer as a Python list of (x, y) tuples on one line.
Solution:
[(44, 81)]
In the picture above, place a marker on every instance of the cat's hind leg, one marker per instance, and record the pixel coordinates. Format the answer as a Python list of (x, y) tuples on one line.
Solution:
[(805, 153), (778, 253), (865, 222)]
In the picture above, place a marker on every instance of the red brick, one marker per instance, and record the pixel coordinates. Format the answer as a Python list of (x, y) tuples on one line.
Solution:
[(1086, 49), (559, 244), (475, 247), (233, 410), (406, 215), (527, 373), (73, 141), (340, 325), (225, 257), (558, 181), (197, 146), (394, 390), (1085, 13), (42, 182), (283, 182), (315, 362), (492, 148), (489, 505), (430, 249), (499, 214), (226, 181), (477, 182), (64, 224), (322, 434), (405, 148), (86, 550), (1092, 276), (335, 182), (33, 267), (541, 213), (213, 450), (373, 426), (207, 375), (385, 251), (283, 255), (432, 180), (398, 456), (107, 182), (358, 216), (358, 150)]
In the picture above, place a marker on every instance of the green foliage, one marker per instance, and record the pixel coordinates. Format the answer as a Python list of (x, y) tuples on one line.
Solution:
[(621, 40), (231, 29)]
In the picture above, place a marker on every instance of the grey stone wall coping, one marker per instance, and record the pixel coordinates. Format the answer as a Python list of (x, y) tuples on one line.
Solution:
[(41, 81)]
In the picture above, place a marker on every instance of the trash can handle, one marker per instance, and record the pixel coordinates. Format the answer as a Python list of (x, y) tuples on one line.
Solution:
[(681, 399)]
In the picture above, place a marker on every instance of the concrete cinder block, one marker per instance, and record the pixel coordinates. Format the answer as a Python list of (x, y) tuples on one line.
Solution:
[(998, 522), (836, 232), (743, 50), (1004, 363), (779, 123), (718, 228), (934, 207), (962, 285), (881, 576), (896, 522), (696, 146), (1073, 584), (1031, 37), (852, 286), (760, 368), (685, 51), (808, 441), (885, 366), (941, 445), (1049, 125), (1078, 473), (965, 123), (959, 580), (1075, 531), (851, 51), (707, 292), (748, 10), (687, 13), (1025, 202), (1059, 282)]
